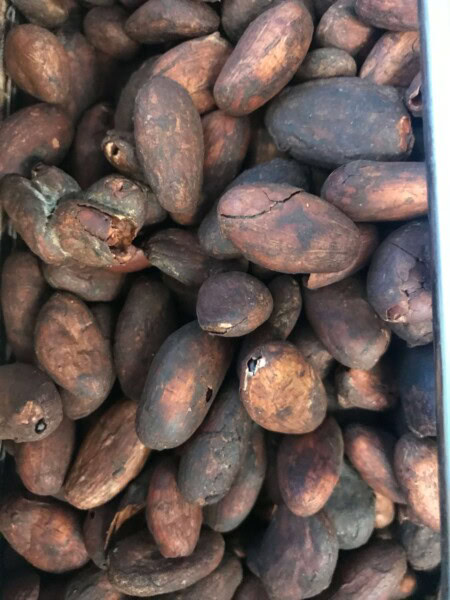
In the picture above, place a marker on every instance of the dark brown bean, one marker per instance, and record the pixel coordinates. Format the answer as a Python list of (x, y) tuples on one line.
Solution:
[(219, 585), (251, 589), (309, 467), (23, 291), (177, 253), (286, 229), (312, 349), (325, 123), (213, 456), (120, 150), (371, 452), (422, 545), (47, 14), (228, 513), (104, 27), (173, 521), (165, 20), (346, 324), (146, 320), (137, 568), (30, 404), (45, 532), (280, 390), (233, 304), (190, 364), (399, 283), (88, 161), (168, 124), (351, 507), (42, 465), (96, 527), (91, 584), (287, 547)]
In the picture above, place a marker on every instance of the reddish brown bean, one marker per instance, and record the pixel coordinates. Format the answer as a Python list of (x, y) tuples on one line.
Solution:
[(416, 467), (37, 63), (371, 452), (109, 457), (265, 58), (173, 521), (399, 16), (45, 532), (370, 390), (30, 406), (23, 291), (104, 27), (280, 390), (42, 465), (309, 467)]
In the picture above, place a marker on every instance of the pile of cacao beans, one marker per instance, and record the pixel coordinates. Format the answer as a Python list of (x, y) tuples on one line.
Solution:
[(218, 307)]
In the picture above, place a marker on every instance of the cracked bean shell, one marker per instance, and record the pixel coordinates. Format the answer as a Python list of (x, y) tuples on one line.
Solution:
[(309, 467), (182, 382), (136, 567), (286, 229), (72, 349), (399, 283), (23, 291), (280, 390), (45, 532), (169, 142), (166, 20), (416, 468), (40, 132), (147, 318), (211, 459), (37, 63), (235, 506), (324, 122), (233, 304), (172, 519), (109, 457), (371, 452), (265, 58), (298, 555), (30, 406), (346, 323), (42, 465)]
